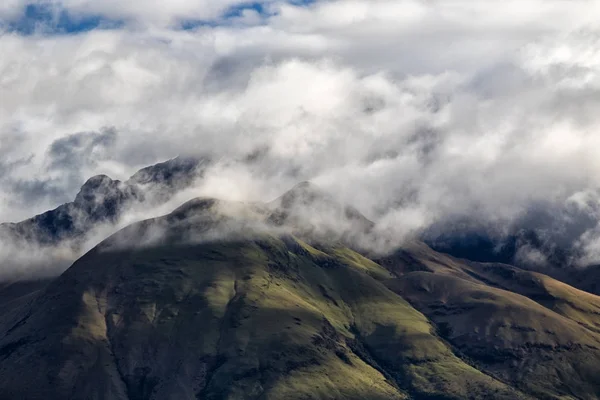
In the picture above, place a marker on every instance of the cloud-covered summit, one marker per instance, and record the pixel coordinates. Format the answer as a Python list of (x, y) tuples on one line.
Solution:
[(416, 112)]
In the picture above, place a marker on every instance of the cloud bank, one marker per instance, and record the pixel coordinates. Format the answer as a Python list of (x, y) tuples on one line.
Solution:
[(416, 112)]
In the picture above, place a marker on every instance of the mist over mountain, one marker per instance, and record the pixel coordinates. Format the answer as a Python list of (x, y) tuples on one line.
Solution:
[(299, 199), (101, 207), (545, 238), (222, 299), (104, 200), (418, 113)]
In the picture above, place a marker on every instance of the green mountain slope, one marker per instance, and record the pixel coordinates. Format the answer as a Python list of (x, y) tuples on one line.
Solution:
[(223, 300), (257, 316), (527, 329)]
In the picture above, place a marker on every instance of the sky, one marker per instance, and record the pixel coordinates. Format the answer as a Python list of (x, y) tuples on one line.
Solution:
[(416, 112)]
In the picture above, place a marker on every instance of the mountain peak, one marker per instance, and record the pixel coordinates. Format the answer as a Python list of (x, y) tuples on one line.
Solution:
[(102, 199), (305, 185), (314, 213), (304, 193), (96, 186), (97, 180), (172, 173)]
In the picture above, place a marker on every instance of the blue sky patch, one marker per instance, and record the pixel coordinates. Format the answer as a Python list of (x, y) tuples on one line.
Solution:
[(237, 10), (230, 14), (45, 19)]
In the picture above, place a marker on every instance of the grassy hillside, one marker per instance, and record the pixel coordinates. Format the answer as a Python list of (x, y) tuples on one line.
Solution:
[(260, 317), (527, 329), (220, 300)]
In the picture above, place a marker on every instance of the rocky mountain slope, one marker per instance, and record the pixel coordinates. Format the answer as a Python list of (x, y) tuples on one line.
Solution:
[(103, 200)]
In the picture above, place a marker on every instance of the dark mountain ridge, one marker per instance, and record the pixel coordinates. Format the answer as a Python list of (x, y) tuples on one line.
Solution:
[(103, 200)]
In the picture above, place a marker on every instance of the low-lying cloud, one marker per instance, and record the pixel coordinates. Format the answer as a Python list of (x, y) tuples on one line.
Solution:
[(417, 113)]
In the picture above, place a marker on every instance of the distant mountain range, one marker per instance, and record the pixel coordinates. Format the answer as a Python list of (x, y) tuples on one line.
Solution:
[(104, 200), (281, 300)]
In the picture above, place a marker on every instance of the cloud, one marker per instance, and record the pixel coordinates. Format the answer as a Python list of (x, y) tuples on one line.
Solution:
[(70, 152), (415, 112)]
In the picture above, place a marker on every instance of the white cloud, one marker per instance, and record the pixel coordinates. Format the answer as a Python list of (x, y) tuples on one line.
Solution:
[(413, 111)]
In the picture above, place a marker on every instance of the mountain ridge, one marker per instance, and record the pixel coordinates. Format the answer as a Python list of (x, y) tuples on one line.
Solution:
[(220, 300), (87, 308), (104, 200)]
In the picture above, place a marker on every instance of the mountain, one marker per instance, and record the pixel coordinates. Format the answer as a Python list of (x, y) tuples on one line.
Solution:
[(525, 328), (103, 200), (223, 300), (316, 214), (193, 315), (161, 180), (526, 247), (546, 237)]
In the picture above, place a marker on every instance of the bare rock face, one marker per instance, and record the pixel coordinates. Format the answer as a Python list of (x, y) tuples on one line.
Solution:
[(103, 200), (170, 176)]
